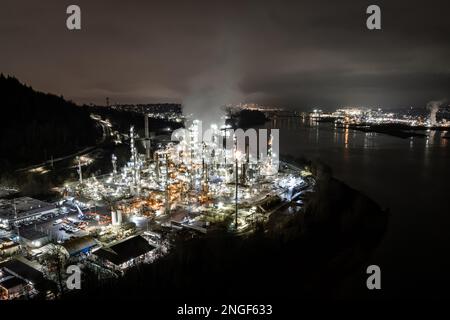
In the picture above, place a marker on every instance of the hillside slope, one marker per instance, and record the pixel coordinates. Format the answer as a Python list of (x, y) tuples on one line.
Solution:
[(35, 126)]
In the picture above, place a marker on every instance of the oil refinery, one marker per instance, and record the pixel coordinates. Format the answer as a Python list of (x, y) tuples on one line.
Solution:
[(196, 182), (192, 177)]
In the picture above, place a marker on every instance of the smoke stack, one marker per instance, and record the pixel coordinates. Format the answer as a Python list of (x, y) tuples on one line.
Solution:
[(147, 138)]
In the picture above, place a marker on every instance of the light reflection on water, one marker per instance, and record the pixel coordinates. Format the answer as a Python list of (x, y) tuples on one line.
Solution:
[(409, 176)]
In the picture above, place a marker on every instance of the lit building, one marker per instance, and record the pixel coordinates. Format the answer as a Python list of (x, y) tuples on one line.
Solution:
[(124, 254), (22, 210), (33, 238), (18, 279)]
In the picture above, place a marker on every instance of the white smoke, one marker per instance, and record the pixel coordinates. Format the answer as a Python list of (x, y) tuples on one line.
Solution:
[(209, 93), (217, 85), (433, 107)]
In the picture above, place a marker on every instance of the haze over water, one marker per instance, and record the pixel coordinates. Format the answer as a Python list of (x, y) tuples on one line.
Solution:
[(408, 176)]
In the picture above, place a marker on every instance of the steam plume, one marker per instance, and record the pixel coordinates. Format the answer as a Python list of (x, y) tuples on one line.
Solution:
[(216, 86), (433, 106)]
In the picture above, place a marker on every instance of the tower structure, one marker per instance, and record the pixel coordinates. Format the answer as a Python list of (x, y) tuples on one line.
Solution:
[(167, 196), (147, 141), (134, 162), (114, 164), (80, 174)]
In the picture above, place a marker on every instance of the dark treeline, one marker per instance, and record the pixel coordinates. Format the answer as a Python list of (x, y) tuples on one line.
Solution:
[(123, 119), (316, 253), (35, 125)]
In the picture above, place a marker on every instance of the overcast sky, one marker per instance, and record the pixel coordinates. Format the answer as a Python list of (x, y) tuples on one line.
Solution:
[(297, 54)]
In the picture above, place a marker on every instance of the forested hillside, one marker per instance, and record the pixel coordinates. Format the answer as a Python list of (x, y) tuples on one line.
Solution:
[(35, 126)]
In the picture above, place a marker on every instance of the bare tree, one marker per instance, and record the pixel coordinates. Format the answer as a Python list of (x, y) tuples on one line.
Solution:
[(54, 262)]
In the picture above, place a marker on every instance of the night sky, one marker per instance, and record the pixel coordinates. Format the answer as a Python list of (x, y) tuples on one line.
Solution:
[(297, 54)]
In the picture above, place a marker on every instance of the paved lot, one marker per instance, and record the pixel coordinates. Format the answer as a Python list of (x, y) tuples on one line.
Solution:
[(54, 229)]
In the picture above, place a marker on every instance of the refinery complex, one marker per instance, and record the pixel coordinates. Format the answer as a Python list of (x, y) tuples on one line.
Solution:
[(192, 184)]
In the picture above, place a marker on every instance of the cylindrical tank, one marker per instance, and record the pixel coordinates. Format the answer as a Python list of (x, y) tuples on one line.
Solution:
[(119, 217), (114, 217)]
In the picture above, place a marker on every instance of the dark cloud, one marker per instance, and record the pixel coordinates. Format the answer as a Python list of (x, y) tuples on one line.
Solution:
[(298, 54), (341, 87)]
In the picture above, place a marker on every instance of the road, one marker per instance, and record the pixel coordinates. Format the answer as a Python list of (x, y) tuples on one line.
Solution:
[(106, 132)]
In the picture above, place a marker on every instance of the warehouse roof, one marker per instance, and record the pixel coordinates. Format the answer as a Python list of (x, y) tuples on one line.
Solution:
[(78, 245), (12, 282), (31, 234), (22, 270), (126, 250), (25, 206)]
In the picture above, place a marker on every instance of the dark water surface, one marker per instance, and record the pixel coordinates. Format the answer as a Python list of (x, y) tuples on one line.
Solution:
[(408, 176)]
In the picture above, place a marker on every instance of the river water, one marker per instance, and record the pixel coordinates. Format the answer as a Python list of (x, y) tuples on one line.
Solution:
[(408, 176)]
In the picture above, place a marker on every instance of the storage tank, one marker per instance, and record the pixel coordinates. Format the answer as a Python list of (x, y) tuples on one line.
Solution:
[(113, 217), (119, 217)]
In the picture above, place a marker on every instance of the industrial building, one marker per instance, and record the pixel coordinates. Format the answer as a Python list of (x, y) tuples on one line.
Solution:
[(23, 210), (124, 254), (18, 279), (12, 287), (34, 238), (8, 247), (79, 245)]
